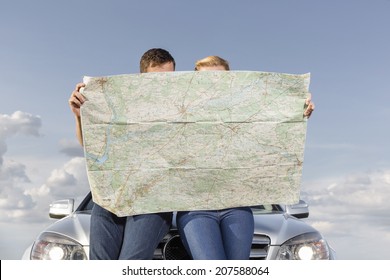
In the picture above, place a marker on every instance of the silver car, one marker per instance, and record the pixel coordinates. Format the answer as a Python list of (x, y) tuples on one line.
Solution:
[(280, 234)]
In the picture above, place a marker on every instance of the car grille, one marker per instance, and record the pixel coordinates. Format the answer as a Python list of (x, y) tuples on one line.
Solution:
[(174, 249), (260, 246), (171, 248)]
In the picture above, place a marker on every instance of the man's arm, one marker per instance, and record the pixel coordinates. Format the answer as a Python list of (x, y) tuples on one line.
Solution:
[(76, 100)]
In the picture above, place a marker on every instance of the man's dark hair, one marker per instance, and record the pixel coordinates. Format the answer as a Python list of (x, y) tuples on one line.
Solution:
[(155, 57)]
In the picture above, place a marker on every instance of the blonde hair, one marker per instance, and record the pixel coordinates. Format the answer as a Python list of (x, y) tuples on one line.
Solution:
[(212, 60)]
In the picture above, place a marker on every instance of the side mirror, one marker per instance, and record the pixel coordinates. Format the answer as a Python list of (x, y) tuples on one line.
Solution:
[(61, 208), (299, 210)]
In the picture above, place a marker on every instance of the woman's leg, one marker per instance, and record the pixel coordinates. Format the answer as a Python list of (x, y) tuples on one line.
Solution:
[(201, 234), (237, 228)]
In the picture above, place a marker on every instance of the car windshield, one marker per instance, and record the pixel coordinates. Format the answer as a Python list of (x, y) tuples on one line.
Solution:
[(267, 208), (86, 204)]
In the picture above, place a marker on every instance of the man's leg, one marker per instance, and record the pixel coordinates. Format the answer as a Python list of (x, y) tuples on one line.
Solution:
[(142, 235), (106, 234)]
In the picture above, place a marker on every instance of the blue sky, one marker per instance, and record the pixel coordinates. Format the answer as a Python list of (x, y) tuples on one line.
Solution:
[(48, 46)]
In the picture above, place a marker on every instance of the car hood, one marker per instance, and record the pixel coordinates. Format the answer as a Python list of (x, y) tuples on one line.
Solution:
[(280, 227), (75, 226)]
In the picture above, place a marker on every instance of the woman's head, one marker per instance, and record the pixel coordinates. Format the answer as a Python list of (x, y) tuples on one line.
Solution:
[(212, 63)]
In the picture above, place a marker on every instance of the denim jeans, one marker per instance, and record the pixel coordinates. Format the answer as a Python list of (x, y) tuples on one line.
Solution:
[(126, 238), (217, 235)]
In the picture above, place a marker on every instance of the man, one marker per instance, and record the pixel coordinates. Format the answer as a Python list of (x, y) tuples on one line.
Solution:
[(133, 237)]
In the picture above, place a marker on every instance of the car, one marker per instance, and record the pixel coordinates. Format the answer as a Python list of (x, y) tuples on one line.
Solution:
[(280, 234)]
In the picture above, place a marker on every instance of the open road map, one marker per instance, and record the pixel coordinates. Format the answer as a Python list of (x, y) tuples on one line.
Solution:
[(158, 142)]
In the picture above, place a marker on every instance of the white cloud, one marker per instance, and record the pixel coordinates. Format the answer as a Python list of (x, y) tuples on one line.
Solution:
[(68, 181), (19, 203), (19, 122), (13, 171), (362, 193), (13, 201), (352, 209), (20, 198)]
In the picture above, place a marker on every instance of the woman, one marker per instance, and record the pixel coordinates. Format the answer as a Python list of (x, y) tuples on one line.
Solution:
[(216, 234)]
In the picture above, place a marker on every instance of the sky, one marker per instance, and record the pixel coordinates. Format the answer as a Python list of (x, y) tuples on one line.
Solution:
[(48, 46)]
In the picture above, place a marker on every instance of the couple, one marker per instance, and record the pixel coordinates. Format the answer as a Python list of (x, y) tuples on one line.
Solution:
[(214, 235)]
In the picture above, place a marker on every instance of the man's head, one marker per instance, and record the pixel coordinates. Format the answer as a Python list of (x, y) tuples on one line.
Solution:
[(212, 63), (157, 60)]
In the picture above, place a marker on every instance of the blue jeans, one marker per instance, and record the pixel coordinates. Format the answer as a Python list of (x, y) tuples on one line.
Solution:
[(126, 238), (217, 235)]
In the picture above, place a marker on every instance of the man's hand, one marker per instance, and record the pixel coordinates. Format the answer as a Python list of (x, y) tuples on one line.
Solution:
[(76, 100)]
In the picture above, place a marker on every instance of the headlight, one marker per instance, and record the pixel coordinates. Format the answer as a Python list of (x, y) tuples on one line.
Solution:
[(308, 246), (51, 246)]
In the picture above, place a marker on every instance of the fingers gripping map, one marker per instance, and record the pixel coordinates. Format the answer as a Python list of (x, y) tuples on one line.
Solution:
[(159, 142)]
